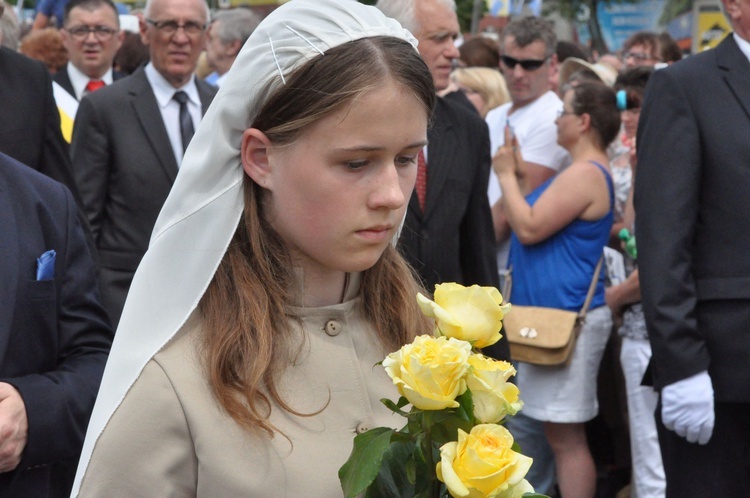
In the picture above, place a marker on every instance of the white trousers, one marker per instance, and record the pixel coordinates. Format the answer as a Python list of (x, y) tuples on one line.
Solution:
[(648, 471)]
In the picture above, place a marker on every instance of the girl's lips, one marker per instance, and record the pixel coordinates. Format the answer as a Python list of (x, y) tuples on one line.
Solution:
[(375, 234)]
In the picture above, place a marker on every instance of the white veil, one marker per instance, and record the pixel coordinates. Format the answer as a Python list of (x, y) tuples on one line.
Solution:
[(204, 206)]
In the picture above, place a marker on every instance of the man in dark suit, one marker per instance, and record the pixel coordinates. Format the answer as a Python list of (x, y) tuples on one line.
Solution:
[(129, 139), (693, 209), (91, 34), (54, 334), (29, 121), (448, 234)]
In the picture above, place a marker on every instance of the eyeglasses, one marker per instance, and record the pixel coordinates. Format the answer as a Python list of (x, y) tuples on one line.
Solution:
[(102, 33), (526, 64), (639, 56), (169, 28), (563, 112)]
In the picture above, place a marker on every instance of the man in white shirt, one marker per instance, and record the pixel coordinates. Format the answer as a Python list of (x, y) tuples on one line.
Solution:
[(129, 139), (528, 47), (691, 196)]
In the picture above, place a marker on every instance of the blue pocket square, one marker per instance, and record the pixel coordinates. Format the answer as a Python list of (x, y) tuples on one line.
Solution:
[(45, 266)]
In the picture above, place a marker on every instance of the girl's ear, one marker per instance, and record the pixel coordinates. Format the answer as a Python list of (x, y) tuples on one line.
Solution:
[(254, 153)]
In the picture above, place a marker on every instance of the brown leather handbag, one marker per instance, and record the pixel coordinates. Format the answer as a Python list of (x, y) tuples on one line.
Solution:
[(545, 336)]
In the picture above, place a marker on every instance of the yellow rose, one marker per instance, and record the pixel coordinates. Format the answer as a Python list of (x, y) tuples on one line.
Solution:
[(482, 464), (471, 314), (430, 372), (494, 397)]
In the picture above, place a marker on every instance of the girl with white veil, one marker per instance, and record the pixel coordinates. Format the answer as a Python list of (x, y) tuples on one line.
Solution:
[(244, 364)]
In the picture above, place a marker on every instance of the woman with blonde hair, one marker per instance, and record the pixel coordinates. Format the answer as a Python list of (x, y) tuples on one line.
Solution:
[(244, 364), (484, 87)]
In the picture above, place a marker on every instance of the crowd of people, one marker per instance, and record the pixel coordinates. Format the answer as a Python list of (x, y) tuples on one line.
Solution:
[(252, 205)]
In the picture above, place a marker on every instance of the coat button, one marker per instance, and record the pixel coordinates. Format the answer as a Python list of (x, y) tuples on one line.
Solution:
[(362, 427), (333, 328)]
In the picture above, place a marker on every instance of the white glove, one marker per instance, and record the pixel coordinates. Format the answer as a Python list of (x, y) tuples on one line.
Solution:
[(687, 407)]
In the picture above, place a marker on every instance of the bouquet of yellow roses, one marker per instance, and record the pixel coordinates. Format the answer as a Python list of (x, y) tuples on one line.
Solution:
[(451, 443)]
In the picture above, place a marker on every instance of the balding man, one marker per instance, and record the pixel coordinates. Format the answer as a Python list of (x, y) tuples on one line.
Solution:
[(129, 139)]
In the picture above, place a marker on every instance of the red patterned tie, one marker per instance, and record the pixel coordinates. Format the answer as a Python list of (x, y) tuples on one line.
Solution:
[(94, 85), (421, 185)]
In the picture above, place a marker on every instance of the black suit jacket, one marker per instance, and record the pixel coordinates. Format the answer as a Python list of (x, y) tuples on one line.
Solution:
[(692, 196), (453, 239), (29, 120), (125, 168), (54, 334), (62, 78)]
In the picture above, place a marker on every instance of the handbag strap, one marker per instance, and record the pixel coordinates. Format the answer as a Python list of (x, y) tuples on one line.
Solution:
[(592, 288)]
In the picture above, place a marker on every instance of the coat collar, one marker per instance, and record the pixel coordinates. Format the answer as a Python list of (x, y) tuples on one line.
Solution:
[(736, 69)]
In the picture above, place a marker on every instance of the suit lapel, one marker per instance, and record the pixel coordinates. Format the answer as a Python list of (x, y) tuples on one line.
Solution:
[(440, 156), (736, 67), (61, 78), (147, 110), (9, 265)]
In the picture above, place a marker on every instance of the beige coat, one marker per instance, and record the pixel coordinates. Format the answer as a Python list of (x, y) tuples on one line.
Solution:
[(169, 437)]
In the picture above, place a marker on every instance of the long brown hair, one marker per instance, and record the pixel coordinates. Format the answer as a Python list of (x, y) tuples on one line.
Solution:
[(249, 338)]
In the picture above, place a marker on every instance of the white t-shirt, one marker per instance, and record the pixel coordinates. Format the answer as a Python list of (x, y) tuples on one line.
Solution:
[(534, 126)]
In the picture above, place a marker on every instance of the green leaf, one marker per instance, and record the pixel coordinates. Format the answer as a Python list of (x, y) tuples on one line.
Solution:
[(364, 463), (445, 428), (466, 407), (534, 495), (393, 480), (394, 407), (411, 471), (402, 437)]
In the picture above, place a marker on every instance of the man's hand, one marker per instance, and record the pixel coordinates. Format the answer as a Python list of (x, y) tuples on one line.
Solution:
[(13, 427), (688, 408)]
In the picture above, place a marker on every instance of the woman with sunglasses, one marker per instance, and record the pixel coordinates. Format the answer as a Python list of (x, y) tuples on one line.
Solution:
[(559, 231)]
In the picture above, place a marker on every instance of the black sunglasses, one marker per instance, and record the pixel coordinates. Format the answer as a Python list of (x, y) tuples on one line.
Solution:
[(526, 64)]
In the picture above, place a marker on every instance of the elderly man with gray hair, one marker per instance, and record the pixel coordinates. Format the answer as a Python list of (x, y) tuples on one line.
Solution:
[(447, 235), (227, 33)]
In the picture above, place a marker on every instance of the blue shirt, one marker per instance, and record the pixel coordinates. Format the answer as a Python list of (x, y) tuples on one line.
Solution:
[(53, 8), (557, 272)]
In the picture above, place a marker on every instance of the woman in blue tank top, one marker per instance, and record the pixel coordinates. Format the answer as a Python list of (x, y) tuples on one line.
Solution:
[(559, 231)]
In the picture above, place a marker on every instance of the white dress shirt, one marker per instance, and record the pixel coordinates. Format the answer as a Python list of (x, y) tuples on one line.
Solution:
[(79, 80), (170, 109)]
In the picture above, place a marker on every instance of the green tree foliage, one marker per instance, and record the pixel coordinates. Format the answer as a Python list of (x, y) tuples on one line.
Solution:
[(673, 8), (574, 10)]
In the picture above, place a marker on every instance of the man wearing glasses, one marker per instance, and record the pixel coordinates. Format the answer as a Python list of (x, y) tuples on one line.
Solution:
[(528, 58), (641, 49), (130, 137), (91, 34)]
